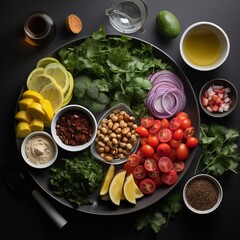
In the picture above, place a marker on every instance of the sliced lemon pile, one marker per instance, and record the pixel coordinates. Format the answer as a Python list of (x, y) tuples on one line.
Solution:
[(49, 71), (116, 187), (35, 113)]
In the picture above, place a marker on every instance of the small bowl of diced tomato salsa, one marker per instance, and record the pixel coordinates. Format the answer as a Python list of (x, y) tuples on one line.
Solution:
[(218, 97)]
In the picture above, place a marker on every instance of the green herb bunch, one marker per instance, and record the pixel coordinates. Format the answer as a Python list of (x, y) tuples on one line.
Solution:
[(219, 149)]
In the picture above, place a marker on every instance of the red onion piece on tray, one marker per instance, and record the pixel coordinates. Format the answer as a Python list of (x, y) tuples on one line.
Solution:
[(167, 96)]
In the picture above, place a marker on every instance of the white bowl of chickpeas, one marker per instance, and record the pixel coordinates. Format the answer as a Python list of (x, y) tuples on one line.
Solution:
[(116, 136)]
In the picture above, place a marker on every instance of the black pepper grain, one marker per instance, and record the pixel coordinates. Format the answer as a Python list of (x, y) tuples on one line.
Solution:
[(202, 193)]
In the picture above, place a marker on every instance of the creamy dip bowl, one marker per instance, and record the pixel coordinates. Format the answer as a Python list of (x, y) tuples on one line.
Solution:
[(39, 150)]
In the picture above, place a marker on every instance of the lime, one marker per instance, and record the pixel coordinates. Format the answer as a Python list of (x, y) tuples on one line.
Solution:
[(38, 82), (167, 24), (43, 62), (54, 94), (59, 73), (34, 73)]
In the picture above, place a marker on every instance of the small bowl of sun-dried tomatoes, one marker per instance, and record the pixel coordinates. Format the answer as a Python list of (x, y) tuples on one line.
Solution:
[(218, 97), (74, 128)]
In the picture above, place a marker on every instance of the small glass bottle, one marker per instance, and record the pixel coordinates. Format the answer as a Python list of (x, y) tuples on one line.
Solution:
[(39, 29)]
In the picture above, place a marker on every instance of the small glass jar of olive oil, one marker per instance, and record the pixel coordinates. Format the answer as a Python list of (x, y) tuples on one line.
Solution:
[(39, 29)]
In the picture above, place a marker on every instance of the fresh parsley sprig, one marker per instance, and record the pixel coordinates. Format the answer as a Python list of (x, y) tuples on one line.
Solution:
[(219, 149)]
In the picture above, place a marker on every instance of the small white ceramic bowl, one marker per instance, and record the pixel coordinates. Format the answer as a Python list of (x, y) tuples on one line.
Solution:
[(65, 143), (37, 146), (202, 194), (201, 33)]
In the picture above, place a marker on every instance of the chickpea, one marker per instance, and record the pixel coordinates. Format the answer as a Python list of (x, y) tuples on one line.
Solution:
[(129, 146), (103, 130), (108, 158), (106, 139)]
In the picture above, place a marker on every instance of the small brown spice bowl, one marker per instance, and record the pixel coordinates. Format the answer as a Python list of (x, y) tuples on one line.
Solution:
[(202, 194), (74, 128), (218, 97)]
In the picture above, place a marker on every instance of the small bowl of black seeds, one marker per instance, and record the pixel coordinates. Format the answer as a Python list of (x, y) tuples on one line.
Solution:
[(202, 194)]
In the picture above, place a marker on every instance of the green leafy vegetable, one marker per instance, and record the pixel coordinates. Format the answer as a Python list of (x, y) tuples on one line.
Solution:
[(219, 149), (121, 66), (77, 178), (157, 219)]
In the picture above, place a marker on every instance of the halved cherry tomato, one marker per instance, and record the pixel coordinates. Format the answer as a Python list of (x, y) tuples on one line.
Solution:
[(182, 152), (163, 149), (178, 166), (153, 174), (139, 172), (174, 143), (143, 140), (142, 131), (158, 181), (188, 132), (175, 123), (173, 154), (147, 150), (186, 122), (182, 115), (170, 178), (191, 142), (133, 160), (153, 140), (165, 123), (150, 164), (178, 134), (127, 168), (165, 164), (147, 122), (156, 126), (164, 135), (147, 186)]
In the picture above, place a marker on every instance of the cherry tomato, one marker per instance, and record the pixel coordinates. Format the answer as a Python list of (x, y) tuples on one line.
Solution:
[(127, 168), (164, 135), (133, 160), (158, 181), (139, 172), (182, 115), (169, 178), (156, 126), (178, 134), (147, 186), (163, 149), (147, 150), (173, 154), (150, 164), (139, 153), (165, 164), (165, 123), (188, 132), (182, 152), (147, 122), (153, 140), (178, 166), (191, 142), (142, 131), (186, 122), (143, 140), (175, 123), (174, 143), (153, 174)]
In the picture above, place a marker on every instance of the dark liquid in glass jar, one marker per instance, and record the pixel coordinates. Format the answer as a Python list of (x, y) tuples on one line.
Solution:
[(39, 29)]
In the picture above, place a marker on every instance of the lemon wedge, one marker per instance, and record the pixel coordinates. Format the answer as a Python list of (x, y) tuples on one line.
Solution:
[(129, 189), (32, 94), (54, 94), (38, 82), (107, 180), (36, 125), (36, 111), (25, 102), (138, 193), (24, 116), (22, 129), (34, 73), (43, 62), (47, 108), (59, 73), (116, 187)]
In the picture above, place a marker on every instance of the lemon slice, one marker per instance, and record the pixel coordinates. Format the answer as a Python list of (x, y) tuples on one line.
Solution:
[(38, 82), (43, 62), (69, 93), (32, 94), (59, 73), (34, 73), (107, 180), (129, 189), (54, 94), (116, 187)]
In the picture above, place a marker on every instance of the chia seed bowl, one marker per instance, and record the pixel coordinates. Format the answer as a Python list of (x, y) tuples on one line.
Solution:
[(202, 194)]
